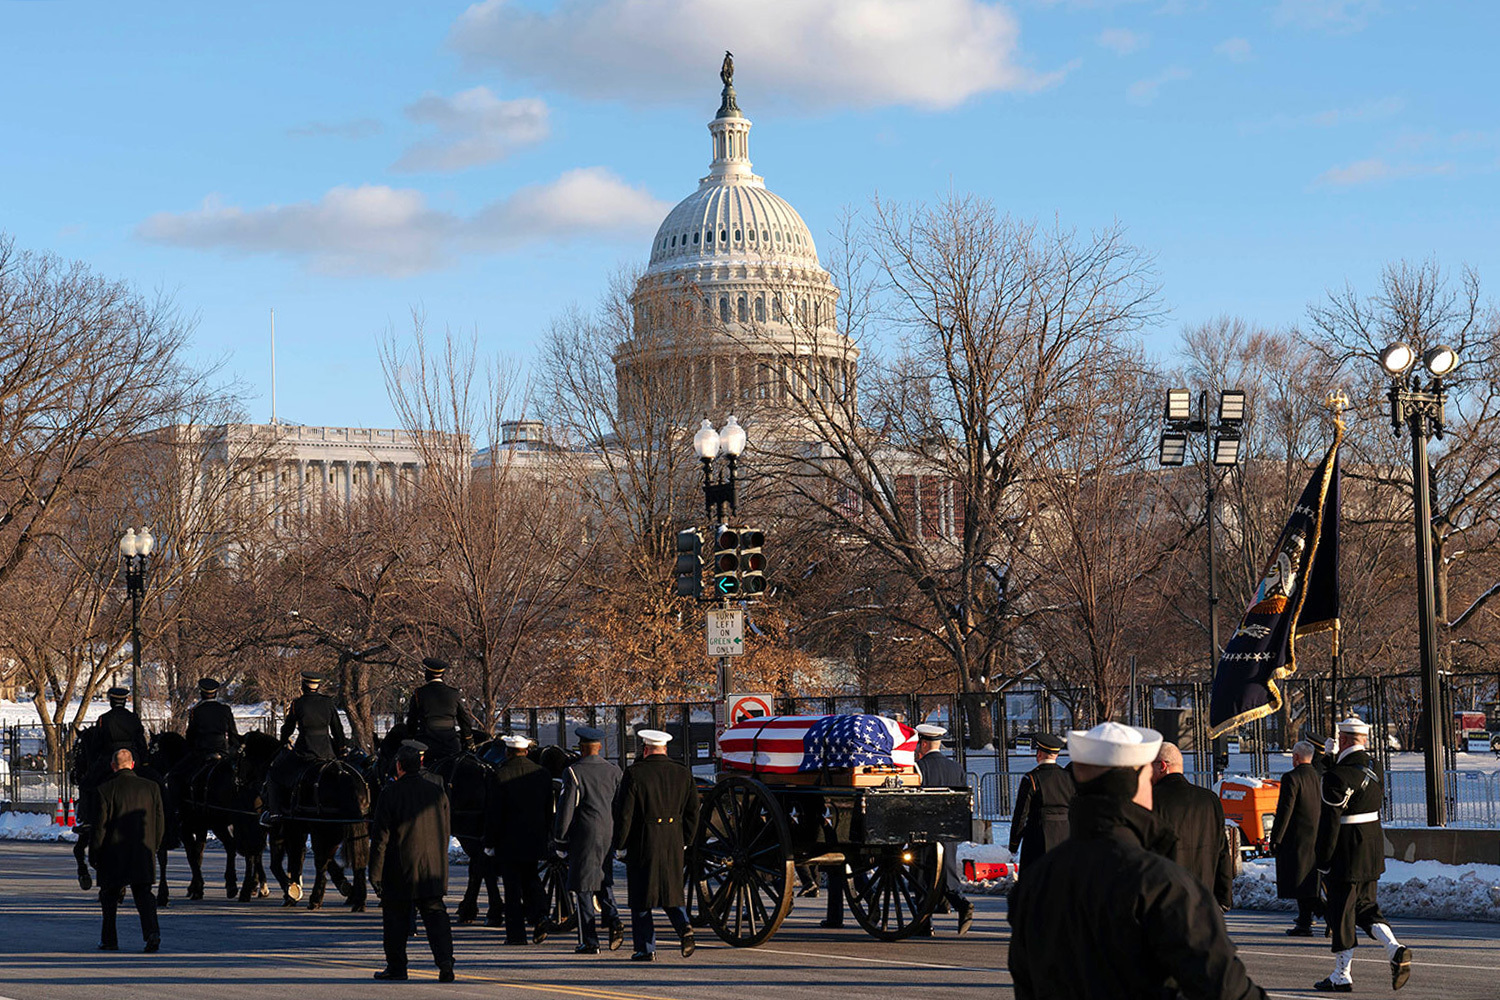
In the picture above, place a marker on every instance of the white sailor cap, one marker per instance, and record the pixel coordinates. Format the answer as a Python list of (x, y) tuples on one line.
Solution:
[(654, 737), (516, 741), (1112, 744), (1354, 724), (930, 732)]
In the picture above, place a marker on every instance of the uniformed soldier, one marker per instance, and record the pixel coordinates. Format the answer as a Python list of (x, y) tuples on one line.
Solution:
[(1040, 820), (437, 715), (314, 717), (116, 729), (211, 730), (517, 831), (656, 814), (941, 771), (584, 829), (1351, 856), (1294, 837), (1103, 914)]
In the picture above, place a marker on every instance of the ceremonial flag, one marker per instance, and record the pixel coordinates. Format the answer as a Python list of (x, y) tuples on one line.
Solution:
[(1298, 594), (787, 744)]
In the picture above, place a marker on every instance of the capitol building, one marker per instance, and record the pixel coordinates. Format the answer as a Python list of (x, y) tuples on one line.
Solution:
[(734, 309)]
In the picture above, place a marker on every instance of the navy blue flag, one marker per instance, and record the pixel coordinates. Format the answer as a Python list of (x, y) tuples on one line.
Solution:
[(1298, 595)]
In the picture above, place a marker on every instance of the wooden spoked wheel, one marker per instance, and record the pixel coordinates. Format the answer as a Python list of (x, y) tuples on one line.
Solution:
[(893, 890), (743, 860), (562, 914)]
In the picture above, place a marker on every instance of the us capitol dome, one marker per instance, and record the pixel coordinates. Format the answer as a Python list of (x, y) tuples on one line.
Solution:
[(734, 308)]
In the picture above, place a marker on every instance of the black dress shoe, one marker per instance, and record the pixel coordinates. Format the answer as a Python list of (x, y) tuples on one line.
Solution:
[(965, 919), (1299, 932), (688, 944), (831, 924), (445, 975), (1400, 967), (153, 943), (643, 956), (1329, 986), (539, 934), (616, 936), (586, 949), (391, 975), (108, 947)]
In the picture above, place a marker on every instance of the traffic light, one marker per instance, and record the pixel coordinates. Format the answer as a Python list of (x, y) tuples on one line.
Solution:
[(752, 562), (727, 563), (690, 563)]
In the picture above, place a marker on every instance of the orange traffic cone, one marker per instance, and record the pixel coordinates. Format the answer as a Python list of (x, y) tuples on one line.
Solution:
[(60, 817), (72, 812)]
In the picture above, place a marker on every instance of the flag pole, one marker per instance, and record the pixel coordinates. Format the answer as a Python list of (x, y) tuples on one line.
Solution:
[(1336, 402)]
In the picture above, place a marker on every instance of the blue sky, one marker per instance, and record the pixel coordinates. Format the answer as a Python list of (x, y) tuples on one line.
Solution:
[(493, 164)]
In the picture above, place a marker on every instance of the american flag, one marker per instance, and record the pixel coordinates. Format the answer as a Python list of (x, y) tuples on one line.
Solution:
[(787, 744)]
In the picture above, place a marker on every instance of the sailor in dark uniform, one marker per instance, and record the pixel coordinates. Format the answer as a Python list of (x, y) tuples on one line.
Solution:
[(1040, 819), (1351, 856), (941, 771), (314, 717), (437, 715), (584, 828), (656, 815)]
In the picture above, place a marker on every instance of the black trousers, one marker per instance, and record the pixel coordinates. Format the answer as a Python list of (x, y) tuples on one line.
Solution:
[(588, 926), (1352, 905), (145, 905), (396, 925), (643, 926), (523, 899), (1307, 908)]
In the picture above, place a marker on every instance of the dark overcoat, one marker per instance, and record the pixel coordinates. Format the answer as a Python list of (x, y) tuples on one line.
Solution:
[(1196, 816), (1040, 820), (1100, 915), (1294, 835), (585, 823), (127, 832), (211, 728), (656, 816), (409, 839), (520, 820), (1352, 790), (320, 732)]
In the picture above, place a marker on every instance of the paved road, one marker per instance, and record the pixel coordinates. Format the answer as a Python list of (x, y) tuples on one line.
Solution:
[(257, 951)]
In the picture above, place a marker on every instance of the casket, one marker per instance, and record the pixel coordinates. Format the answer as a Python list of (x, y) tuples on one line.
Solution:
[(859, 750)]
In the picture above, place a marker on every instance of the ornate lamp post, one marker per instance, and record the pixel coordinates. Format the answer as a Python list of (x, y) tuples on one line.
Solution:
[(1420, 410), (707, 444), (136, 548)]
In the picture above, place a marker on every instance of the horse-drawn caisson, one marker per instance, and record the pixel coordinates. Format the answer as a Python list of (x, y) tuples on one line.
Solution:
[(838, 792)]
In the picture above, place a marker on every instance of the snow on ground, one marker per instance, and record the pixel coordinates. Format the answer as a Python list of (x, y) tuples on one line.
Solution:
[(1427, 889), (33, 826)]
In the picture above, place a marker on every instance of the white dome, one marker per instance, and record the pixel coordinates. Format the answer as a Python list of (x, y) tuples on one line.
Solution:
[(732, 220)]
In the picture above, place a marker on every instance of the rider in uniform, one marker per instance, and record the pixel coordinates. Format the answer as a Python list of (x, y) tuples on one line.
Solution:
[(941, 771), (320, 737), (117, 729), (211, 730), (437, 715)]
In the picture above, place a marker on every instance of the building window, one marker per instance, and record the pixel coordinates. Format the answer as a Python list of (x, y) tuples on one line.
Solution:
[(776, 312), (752, 236), (743, 310), (724, 308), (695, 238), (738, 237), (709, 236), (765, 235), (760, 309), (778, 236), (723, 236), (674, 241)]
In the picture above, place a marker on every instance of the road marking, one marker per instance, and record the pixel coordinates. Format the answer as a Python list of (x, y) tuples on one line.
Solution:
[(1374, 961), (882, 961)]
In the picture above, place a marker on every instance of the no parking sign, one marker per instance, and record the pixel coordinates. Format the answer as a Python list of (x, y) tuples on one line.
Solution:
[(748, 706)]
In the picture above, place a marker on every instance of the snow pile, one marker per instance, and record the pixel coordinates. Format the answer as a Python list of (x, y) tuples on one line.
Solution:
[(456, 855), (1427, 889), (988, 854), (33, 826)]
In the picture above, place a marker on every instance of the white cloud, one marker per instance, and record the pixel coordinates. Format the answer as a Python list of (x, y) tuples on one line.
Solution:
[(1147, 90), (361, 128), (1370, 111), (376, 229), (1122, 41), (474, 128), (1234, 49), (932, 54), (1325, 15), (1374, 170)]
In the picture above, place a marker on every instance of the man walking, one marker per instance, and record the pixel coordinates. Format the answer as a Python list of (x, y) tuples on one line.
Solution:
[(314, 717), (1294, 837), (585, 829), (409, 865), (1040, 820), (1196, 816), (517, 829), (940, 771), (1351, 856), (656, 814), (437, 715), (1102, 914), (126, 835)]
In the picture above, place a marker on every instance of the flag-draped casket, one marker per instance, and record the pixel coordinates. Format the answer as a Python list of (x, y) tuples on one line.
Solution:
[(796, 744)]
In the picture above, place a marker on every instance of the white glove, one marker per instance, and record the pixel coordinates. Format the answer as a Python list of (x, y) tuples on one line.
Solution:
[(489, 852)]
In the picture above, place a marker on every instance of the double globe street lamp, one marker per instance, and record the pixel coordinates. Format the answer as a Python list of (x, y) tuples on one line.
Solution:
[(707, 445), (136, 548), (1419, 409)]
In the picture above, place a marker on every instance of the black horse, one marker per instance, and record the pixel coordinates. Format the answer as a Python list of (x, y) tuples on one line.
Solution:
[(470, 778), (205, 796), (88, 767), (330, 806), (247, 836)]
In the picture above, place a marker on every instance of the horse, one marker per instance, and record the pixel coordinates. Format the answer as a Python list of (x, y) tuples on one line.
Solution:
[(205, 796), (331, 806), (247, 836), (469, 779)]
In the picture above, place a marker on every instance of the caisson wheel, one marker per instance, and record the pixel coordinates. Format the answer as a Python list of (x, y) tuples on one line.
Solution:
[(742, 857), (892, 891)]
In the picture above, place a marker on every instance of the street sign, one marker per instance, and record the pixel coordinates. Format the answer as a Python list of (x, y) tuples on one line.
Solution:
[(725, 632), (748, 706)]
